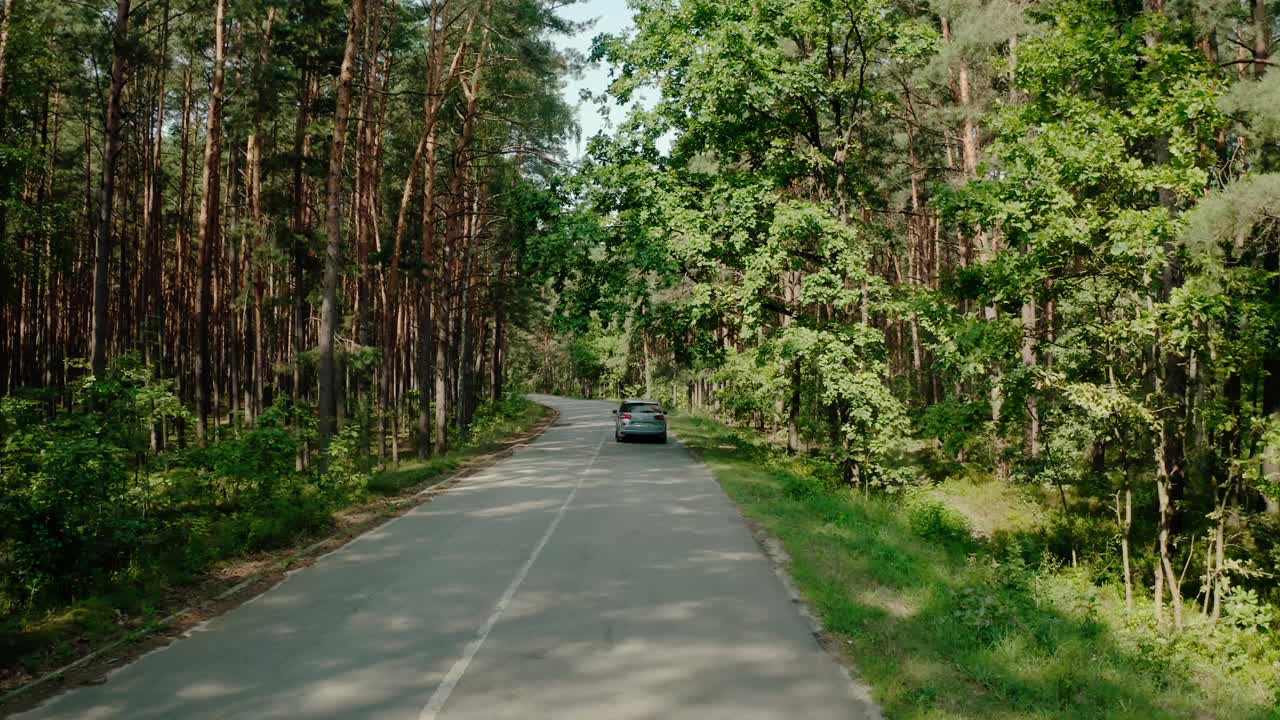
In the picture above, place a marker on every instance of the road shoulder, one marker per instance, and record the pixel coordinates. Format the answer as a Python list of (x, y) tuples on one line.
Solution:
[(240, 580), (780, 561)]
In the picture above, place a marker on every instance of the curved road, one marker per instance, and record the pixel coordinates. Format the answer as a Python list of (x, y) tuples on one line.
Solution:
[(578, 578)]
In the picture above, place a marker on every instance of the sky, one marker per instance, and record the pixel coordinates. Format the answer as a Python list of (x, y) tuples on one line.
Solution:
[(609, 16)]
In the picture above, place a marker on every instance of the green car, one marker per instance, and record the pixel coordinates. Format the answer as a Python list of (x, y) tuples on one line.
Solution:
[(640, 419)]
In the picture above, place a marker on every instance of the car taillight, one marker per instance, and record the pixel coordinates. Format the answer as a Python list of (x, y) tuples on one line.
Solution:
[(626, 416), (659, 417)]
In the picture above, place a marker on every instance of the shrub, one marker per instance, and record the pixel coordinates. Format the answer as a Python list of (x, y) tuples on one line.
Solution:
[(931, 519), (257, 460), (807, 477), (493, 418), (347, 477), (68, 516), (951, 422)]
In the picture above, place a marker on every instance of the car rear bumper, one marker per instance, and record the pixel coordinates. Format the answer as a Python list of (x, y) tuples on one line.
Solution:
[(646, 430)]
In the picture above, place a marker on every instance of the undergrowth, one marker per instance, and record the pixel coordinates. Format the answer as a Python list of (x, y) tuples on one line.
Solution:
[(946, 622), (96, 530)]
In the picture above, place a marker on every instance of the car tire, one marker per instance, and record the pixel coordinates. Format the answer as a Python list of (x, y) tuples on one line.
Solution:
[(617, 437), (664, 439)]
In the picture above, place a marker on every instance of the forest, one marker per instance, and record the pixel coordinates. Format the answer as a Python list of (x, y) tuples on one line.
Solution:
[(1028, 247), (251, 254), (251, 251)]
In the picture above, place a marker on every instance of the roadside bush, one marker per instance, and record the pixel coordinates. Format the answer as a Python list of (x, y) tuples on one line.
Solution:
[(495, 418), (82, 508), (347, 478), (71, 514), (931, 519), (804, 478), (255, 461), (276, 522), (87, 508)]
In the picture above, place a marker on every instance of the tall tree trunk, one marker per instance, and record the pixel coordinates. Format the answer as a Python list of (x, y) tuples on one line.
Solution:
[(111, 153), (1271, 394), (447, 349), (52, 311), (155, 310), (1029, 361), (648, 363), (440, 321), (1262, 25), (300, 148), (6, 20), (366, 184), (428, 346), (1261, 38), (210, 226), (426, 369), (1171, 433), (429, 316), (499, 336), (987, 247), (791, 281), (333, 232), (255, 159), (1124, 513), (181, 266), (1029, 320)]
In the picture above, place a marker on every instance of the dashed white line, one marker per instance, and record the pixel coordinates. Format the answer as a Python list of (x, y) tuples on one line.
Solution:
[(432, 709)]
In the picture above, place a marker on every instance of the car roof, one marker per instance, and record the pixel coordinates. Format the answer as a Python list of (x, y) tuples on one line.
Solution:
[(640, 400)]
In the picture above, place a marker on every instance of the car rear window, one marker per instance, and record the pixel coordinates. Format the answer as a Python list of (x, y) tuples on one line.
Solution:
[(641, 407)]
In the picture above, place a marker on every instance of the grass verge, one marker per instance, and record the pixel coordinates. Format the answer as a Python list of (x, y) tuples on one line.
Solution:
[(942, 623), (36, 643)]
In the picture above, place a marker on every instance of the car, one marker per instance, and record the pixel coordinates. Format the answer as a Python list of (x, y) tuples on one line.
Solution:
[(639, 419)]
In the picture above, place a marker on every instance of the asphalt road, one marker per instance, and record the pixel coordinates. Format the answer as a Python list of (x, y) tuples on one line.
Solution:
[(579, 578)]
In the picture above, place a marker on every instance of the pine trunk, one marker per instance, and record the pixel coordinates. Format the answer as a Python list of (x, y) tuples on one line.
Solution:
[(209, 228), (106, 198), (333, 233)]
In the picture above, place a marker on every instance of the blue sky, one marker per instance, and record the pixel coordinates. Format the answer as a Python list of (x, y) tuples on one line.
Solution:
[(609, 16)]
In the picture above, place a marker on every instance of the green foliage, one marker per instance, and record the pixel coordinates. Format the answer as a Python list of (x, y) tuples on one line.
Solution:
[(951, 422), (807, 477), (800, 261), (495, 419), (756, 385), (74, 511), (84, 506), (942, 624), (259, 459), (935, 521), (69, 515)]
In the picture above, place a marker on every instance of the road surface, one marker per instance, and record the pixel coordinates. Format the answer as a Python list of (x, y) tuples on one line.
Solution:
[(578, 578)]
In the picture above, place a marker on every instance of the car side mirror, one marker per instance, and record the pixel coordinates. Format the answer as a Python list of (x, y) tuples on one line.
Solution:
[(614, 412)]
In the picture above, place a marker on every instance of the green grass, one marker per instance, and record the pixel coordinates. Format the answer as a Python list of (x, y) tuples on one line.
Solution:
[(413, 472), (943, 624)]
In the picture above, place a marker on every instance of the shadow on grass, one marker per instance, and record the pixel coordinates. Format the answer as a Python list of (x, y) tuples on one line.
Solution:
[(941, 627), (414, 472)]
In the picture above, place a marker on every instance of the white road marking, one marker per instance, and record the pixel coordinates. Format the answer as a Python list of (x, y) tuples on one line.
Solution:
[(432, 709)]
